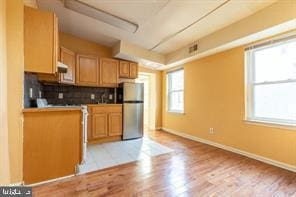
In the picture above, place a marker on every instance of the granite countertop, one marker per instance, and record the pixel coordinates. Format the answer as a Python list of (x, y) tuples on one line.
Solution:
[(104, 104), (65, 108), (52, 109)]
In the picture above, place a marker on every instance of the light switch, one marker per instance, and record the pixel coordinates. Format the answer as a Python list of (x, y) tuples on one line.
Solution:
[(61, 95)]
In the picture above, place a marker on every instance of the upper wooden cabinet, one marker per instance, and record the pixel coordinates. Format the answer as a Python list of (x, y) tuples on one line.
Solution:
[(133, 70), (124, 69), (109, 72), (128, 70), (87, 70), (67, 57), (40, 41)]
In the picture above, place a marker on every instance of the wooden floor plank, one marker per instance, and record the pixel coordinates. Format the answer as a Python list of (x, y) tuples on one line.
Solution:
[(193, 169)]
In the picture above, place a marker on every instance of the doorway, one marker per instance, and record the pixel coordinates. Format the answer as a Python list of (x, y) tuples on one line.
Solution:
[(149, 99)]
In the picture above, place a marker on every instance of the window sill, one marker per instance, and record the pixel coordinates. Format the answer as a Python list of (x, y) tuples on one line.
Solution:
[(271, 124), (176, 112)]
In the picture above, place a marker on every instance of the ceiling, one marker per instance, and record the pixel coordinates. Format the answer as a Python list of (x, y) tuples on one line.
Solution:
[(163, 24)]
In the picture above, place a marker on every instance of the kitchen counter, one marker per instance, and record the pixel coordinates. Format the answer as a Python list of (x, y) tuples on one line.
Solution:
[(53, 109), (52, 136), (65, 108), (104, 104)]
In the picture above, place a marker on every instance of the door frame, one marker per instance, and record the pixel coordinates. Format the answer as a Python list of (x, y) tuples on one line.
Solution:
[(152, 98)]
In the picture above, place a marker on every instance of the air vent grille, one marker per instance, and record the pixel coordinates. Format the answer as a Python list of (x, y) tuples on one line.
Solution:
[(193, 48)]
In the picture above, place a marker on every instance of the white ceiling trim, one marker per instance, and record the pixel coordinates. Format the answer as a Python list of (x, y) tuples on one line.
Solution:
[(250, 29), (189, 26)]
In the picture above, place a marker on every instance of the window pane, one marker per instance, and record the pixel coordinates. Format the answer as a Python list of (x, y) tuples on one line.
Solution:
[(176, 101), (277, 101), (175, 91), (276, 63), (177, 81)]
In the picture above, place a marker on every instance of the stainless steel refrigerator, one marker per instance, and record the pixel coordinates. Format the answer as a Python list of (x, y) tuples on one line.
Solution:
[(131, 95)]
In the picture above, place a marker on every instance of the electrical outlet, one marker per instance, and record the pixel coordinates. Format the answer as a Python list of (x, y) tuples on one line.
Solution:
[(110, 96), (31, 92), (92, 97), (211, 130), (61, 95)]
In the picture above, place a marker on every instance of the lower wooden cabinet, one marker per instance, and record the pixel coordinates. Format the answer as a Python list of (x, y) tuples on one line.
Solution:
[(104, 121), (115, 124), (52, 143), (99, 125)]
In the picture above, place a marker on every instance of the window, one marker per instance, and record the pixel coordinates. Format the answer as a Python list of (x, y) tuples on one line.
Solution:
[(176, 91), (271, 82)]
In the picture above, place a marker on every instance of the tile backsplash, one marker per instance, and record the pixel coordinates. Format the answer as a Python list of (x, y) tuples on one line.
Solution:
[(74, 95), (31, 82), (58, 94)]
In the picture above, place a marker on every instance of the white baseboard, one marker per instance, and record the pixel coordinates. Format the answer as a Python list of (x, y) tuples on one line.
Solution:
[(234, 150), (16, 184)]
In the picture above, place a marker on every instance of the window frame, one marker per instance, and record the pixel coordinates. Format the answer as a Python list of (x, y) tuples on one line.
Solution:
[(250, 83), (169, 91)]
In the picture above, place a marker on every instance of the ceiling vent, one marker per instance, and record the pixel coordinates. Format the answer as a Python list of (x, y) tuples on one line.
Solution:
[(193, 48)]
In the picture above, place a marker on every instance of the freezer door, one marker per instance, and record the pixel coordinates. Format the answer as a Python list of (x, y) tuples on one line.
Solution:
[(132, 120), (133, 92)]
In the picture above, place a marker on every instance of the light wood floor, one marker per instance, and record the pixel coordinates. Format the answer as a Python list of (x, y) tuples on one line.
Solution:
[(193, 169)]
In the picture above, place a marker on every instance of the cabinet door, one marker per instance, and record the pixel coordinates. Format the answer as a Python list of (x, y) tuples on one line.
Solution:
[(87, 70), (67, 57), (99, 125), (40, 41), (124, 69), (133, 70), (108, 72), (115, 124)]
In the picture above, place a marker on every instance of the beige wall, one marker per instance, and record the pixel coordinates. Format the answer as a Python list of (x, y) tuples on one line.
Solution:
[(15, 73), (80, 45), (158, 86), (214, 97), (4, 151)]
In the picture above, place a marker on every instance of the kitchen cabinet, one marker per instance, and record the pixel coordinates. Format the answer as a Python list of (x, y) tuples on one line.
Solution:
[(109, 72), (128, 70), (115, 124), (133, 70), (124, 69), (52, 143), (67, 57), (104, 122), (40, 41), (99, 125), (87, 70)]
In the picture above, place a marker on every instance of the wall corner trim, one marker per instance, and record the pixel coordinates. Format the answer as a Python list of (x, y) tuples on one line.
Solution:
[(234, 150)]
